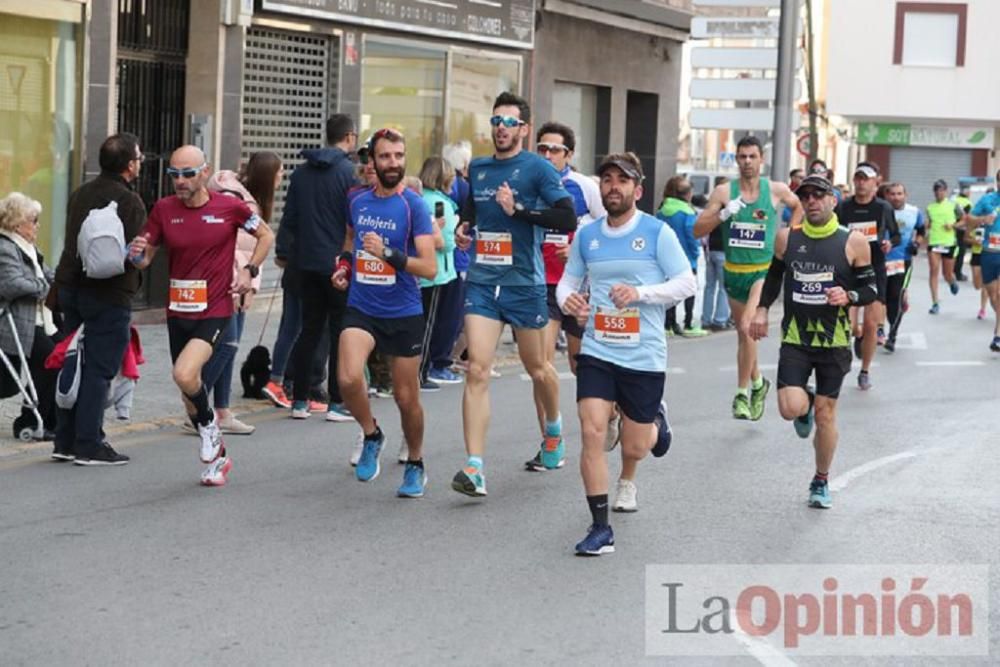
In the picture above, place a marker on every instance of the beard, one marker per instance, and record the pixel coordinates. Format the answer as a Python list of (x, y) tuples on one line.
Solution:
[(503, 147), (618, 206), (391, 177)]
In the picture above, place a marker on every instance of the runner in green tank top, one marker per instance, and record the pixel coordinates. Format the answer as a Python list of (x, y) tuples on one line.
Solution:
[(943, 218), (748, 210)]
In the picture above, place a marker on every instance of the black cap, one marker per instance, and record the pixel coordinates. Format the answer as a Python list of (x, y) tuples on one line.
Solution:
[(815, 182), (627, 167), (940, 184)]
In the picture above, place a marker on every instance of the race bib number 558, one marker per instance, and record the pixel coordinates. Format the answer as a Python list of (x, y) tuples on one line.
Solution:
[(617, 327)]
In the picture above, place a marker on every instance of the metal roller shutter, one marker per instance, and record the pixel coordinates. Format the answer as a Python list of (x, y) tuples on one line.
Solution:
[(917, 168), (290, 88)]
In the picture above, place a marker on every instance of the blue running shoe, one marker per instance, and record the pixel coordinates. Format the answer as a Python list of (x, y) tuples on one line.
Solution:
[(804, 424), (552, 454), (368, 467), (414, 481), (935, 309), (953, 287), (444, 376), (664, 435), (995, 345), (470, 481), (819, 495), (599, 540)]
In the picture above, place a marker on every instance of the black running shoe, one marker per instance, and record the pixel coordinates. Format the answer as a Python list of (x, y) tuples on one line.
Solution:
[(104, 456)]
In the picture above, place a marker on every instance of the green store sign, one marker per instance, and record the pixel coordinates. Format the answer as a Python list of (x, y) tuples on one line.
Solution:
[(904, 134)]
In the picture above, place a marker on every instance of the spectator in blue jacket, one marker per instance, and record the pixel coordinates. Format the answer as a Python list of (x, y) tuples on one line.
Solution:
[(310, 238), (676, 211)]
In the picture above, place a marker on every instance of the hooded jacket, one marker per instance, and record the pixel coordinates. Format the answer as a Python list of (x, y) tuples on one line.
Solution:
[(313, 223), (681, 217)]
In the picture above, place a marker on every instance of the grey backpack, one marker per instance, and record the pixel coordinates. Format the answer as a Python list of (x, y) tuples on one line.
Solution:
[(101, 243)]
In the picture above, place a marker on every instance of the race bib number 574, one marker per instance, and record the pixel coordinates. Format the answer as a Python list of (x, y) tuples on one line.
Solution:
[(495, 248)]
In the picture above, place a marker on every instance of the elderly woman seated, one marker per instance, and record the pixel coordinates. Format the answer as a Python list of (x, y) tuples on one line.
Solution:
[(24, 284)]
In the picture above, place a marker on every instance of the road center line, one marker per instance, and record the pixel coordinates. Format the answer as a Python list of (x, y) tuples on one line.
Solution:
[(760, 649), (841, 481), (951, 363)]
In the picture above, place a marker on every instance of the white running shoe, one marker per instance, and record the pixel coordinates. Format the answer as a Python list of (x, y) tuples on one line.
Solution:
[(215, 474), (359, 445), (211, 441), (613, 435), (625, 497), (404, 451)]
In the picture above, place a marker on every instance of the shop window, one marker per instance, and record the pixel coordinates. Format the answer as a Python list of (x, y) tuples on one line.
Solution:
[(583, 108), (474, 84)]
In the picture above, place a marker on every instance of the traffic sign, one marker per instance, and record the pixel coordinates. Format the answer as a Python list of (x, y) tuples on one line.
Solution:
[(803, 145), (727, 160)]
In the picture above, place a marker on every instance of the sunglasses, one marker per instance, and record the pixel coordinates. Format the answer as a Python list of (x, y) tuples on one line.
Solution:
[(812, 194), (187, 172), (506, 121), (552, 148)]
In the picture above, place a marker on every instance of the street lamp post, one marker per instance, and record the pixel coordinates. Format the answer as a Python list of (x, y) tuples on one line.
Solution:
[(784, 103)]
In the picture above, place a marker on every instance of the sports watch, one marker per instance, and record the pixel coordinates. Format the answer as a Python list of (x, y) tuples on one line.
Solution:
[(253, 269)]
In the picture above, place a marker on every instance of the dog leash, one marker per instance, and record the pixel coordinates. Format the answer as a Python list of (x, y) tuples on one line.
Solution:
[(270, 305)]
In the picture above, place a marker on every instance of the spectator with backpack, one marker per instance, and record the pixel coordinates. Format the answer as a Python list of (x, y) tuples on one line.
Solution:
[(96, 285)]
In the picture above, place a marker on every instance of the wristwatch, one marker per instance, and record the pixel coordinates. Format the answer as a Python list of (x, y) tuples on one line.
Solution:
[(253, 269), (387, 253), (852, 296)]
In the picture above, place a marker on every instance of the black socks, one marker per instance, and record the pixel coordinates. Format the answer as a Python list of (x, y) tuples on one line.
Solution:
[(599, 509), (203, 413)]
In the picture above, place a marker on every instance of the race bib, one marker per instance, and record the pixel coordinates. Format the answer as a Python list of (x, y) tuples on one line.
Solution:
[(895, 267), (810, 288), (617, 327), (747, 234), (188, 296), (868, 227), (371, 270), (557, 238), (942, 249), (993, 241), (494, 249)]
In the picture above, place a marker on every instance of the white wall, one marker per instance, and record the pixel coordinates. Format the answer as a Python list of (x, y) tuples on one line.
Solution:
[(863, 82)]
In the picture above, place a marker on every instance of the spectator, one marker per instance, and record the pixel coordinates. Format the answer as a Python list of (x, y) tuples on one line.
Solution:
[(103, 306), (441, 295), (311, 236), (458, 155), (714, 303), (795, 177), (24, 284), (676, 211)]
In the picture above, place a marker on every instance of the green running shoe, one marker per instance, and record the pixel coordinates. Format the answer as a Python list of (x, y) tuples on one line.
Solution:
[(757, 399), (470, 481), (819, 495), (741, 406)]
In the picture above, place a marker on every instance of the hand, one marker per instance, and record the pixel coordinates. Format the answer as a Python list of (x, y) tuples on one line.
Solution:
[(439, 222), (243, 282), (886, 246), (948, 227), (340, 280), (623, 295), (732, 208), (758, 324), (138, 246), (837, 296), (463, 237), (577, 306), (373, 245), (562, 252), (248, 300), (280, 262), (505, 197)]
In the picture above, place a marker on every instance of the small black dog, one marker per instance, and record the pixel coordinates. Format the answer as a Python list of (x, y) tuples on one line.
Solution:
[(256, 372)]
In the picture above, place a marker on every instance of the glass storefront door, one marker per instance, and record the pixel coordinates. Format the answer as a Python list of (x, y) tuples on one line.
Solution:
[(474, 83)]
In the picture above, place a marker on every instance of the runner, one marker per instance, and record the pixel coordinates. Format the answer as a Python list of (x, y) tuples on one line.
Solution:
[(942, 216), (389, 244), (200, 227), (963, 202), (556, 143), (899, 261), (747, 210), (636, 268), (976, 262), (506, 281), (986, 214), (873, 218), (824, 269)]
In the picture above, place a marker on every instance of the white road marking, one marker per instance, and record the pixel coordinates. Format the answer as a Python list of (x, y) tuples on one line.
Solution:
[(841, 481), (911, 341), (951, 363), (763, 367), (760, 649)]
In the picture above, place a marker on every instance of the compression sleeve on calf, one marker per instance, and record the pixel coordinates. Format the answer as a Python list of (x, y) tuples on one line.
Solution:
[(772, 283), (865, 285), (671, 292), (561, 216)]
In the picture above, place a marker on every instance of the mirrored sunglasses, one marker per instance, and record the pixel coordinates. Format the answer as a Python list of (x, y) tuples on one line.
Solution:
[(506, 121), (546, 147), (188, 172)]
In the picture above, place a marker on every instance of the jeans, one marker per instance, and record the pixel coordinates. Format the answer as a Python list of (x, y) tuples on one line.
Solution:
[(106, 336), (442, 309), (714, 304), (217, 374), (323, 306), (288, 332)]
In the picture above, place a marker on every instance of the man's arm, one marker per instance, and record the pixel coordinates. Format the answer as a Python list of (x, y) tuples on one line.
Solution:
[(859, 254), (561, 216), (891, 226), (791, 202), (711, 217), (288, 229)]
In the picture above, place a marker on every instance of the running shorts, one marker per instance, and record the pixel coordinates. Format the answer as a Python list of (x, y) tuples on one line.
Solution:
[(738, 285), (182, 331), (522, 307), (796, 364), (394, 336), (637, 393)]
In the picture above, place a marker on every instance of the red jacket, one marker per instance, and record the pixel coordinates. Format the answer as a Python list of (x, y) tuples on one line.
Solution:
[(130, 363)]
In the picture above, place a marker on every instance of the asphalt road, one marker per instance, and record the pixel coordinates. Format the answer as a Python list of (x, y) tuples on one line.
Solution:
[(294, 562)]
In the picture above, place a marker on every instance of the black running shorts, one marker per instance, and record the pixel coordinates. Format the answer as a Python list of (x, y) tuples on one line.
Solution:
[(637, 393), (796, 364), (394, 337), (182, 331)]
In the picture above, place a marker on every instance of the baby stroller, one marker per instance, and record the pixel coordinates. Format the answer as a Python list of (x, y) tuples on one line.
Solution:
[(17, 379)]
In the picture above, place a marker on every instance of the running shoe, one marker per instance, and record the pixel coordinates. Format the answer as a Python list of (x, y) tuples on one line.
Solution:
[(368, 466), (675, 330), (61, 454), (758, 398), (599, 540), (981, 315), (625, 497), (804, 424), (880, 336), (444, 376), (414, 481), (741, 406), (613, 435), (552, 454), (890, 345), (995, 345), (664, 435), (217, 471), (300, 410), (494, 373), (317, 406), (470, 481), (935, 309), (104, 456), (383, 392), (953, 287), (429, 385), (864, 381), (359, 445), (819, 495), (211, 441), (535, 464), (694, 332), (338, 412), (276, 394), (233, 426)]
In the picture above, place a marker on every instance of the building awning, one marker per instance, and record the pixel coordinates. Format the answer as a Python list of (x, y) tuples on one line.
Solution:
[(647, 16)]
